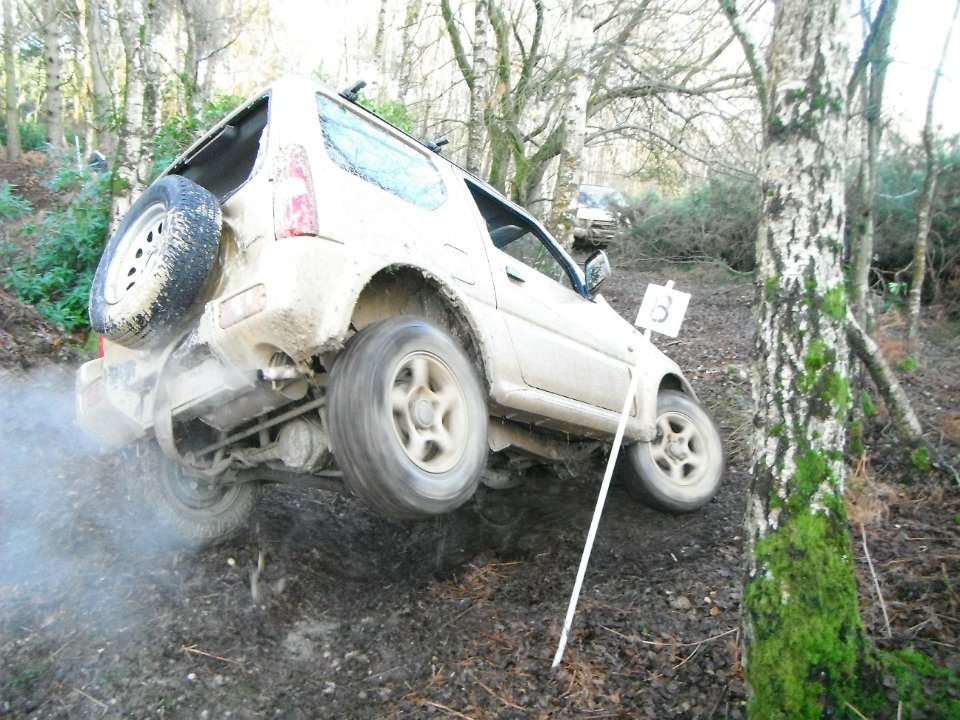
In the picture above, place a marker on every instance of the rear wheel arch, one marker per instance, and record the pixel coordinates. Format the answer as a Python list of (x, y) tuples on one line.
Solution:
[(405, 290)]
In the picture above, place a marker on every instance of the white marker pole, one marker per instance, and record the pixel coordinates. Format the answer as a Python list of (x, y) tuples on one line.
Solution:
[(598, 511)]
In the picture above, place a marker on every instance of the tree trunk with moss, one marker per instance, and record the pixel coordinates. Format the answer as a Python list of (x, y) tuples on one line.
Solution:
[(803, 632)]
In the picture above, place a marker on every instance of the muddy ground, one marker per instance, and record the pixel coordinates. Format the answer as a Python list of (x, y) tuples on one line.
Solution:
[(323, 609)]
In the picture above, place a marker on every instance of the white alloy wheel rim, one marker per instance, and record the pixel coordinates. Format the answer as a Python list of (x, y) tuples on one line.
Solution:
[(679, 450), (136, 253), (429, 410)]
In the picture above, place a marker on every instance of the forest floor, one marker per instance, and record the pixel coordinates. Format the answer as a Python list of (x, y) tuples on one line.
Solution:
[(323, 609)]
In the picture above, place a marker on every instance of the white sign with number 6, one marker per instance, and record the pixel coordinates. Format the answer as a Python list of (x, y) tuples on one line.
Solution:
[(662, 309)]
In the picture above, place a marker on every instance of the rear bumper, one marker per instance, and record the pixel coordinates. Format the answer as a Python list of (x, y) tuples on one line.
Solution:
[(96, 415)]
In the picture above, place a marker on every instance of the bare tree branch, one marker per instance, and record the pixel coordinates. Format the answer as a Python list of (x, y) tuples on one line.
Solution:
[(757, 68)]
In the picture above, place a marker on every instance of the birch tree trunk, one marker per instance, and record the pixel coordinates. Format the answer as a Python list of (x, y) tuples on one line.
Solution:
[(102, 137), (576, 97), (14, 148), (194, 29), (803, 634), (53, 67), (479, 91), (925, 206), (870, 76), (406, 49), (130, 172)]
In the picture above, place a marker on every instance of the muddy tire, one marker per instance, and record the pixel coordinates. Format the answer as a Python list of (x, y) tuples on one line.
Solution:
[(193, 510), (154, 266), (408, 419), (680, 470)]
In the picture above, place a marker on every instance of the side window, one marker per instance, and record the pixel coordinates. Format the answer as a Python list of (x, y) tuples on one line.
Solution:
[(523, 245), (517, 237), (365, 150)]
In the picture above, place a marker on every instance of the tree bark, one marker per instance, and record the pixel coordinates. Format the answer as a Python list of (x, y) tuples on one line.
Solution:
[(898, 404), (803, 632), (130, 172), (869, 76), (101, 96), (575, 99), (14, 148), (476, 125), (53, 67), (406, 48), (925, 206)]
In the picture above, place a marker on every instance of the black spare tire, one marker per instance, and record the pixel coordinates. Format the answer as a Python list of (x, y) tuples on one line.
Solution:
[(408, 419), (154, 266)]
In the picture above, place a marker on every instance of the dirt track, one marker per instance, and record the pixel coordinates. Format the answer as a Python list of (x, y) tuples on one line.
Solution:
[(323, 609)]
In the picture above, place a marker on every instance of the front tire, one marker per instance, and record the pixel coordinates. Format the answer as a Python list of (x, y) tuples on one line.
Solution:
[(408, 419), (681, 468)]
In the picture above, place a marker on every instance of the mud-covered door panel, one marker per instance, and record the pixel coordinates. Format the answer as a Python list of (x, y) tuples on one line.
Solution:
[(557, 333)]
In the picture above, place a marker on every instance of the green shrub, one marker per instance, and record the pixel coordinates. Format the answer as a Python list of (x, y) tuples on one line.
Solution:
[(900, 179), (393, 111), (12, 206), (57, 277), (716, 220), (32, 134)]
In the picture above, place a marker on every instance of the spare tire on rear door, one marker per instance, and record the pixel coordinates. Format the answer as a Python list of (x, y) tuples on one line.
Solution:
[(155, 264)]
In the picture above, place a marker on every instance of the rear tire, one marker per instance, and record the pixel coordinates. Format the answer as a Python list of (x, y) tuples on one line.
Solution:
[(681, 468), (193, 509), (408, 419)]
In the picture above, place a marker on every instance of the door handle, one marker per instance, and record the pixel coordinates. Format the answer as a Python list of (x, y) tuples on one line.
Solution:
[(515, 274)]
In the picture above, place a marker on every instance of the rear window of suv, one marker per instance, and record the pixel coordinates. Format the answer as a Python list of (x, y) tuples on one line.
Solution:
[(365, 150)]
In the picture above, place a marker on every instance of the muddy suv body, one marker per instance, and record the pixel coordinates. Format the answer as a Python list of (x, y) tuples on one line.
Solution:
[(308, 294)]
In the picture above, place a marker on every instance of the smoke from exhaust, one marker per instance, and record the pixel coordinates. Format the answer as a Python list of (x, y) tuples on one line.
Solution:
[(71, 541)]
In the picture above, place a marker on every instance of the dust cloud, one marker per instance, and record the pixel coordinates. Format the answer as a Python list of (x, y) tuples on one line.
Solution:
[(71, 542)]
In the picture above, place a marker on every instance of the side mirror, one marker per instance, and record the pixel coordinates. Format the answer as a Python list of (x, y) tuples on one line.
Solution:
[(596, 269)]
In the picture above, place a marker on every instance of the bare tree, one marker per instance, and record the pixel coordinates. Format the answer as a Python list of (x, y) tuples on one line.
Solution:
[(101, 98), (865, 349), (132, 160), (14, 148), (925, 204), (804, 636), (576, 96), (479, 89), (211, 27), (474, 75), (53, 67), (868, 79), (410, 16)]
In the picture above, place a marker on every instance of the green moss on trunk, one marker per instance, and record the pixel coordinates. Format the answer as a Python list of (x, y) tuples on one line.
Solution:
[(808, 639)]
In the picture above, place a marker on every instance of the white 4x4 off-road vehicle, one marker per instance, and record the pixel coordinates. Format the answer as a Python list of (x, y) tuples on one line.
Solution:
[(309, 295)]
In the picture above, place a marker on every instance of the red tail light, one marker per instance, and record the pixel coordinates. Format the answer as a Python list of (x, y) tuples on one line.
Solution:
[(294, 201), (99, 346)]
